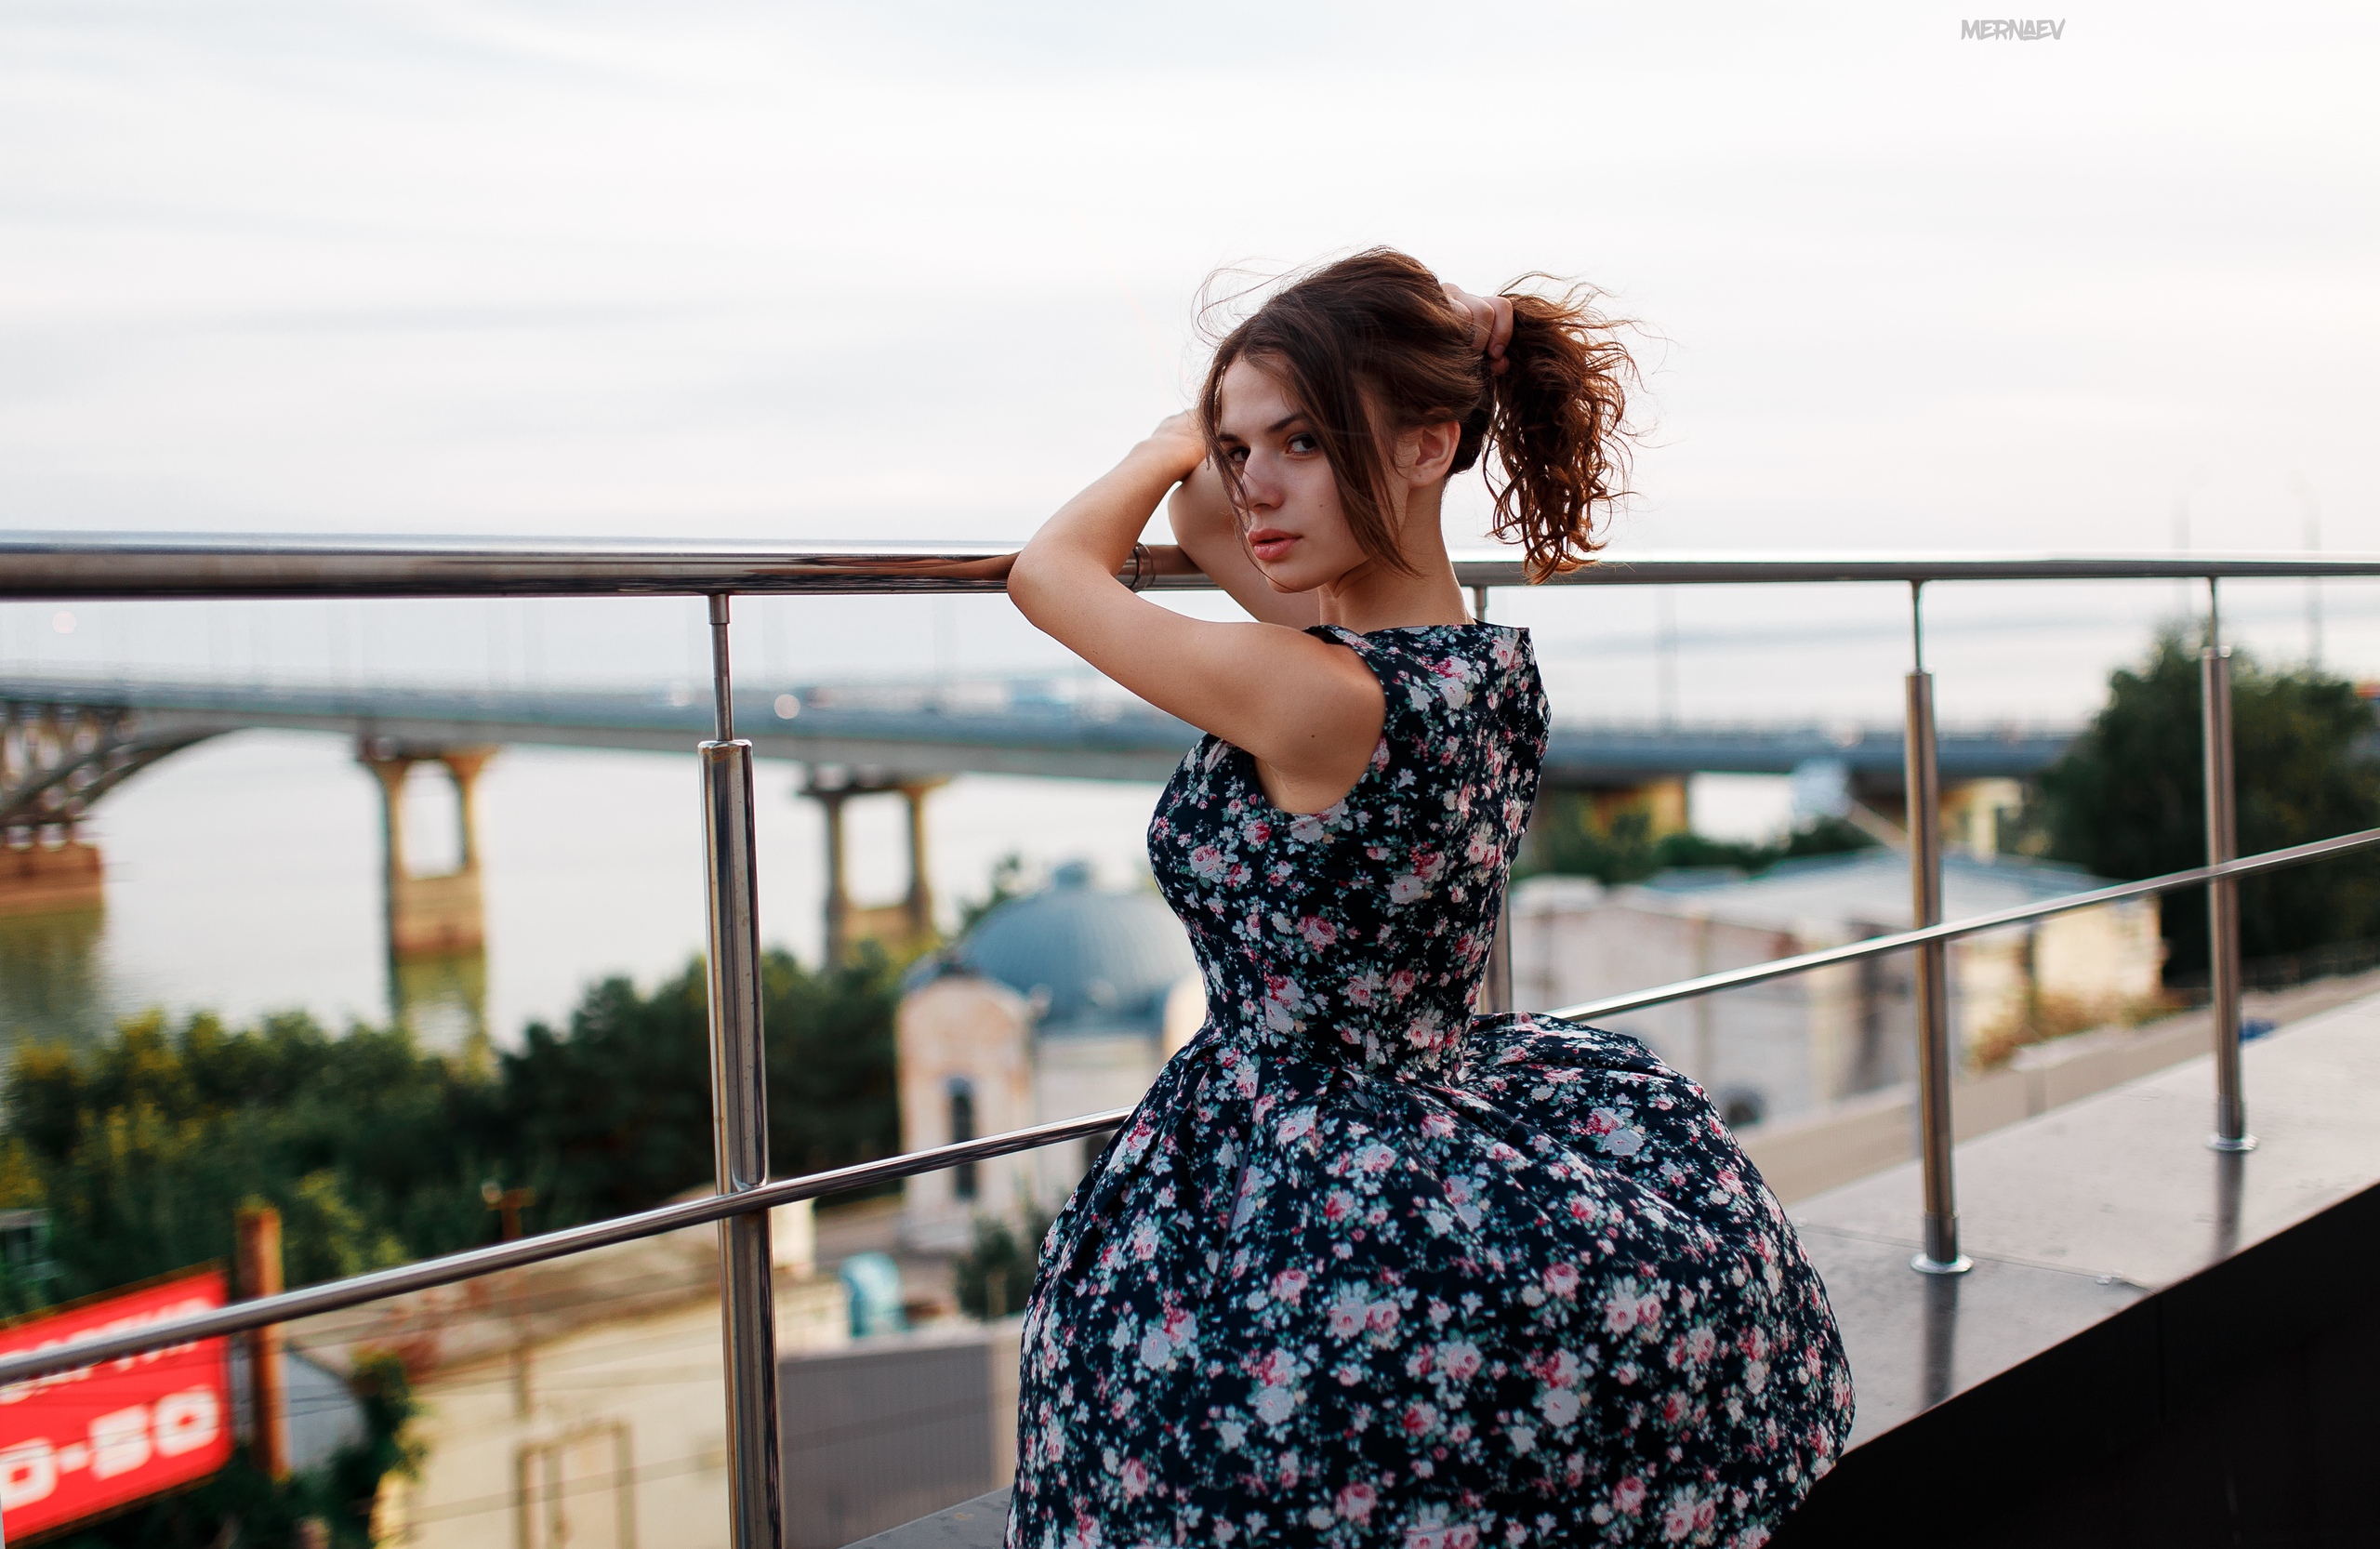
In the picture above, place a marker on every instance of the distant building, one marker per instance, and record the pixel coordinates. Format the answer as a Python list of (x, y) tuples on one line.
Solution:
[(1778, 1049), (579, 1403), (1062, 1003)]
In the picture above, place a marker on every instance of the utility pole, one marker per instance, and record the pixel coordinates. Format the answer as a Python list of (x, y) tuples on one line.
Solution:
[(260, 1273), (508, 1203), (2303, 488)]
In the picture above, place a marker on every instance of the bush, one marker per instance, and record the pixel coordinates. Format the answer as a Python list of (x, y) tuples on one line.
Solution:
[(994, 1278), (1566, 841)]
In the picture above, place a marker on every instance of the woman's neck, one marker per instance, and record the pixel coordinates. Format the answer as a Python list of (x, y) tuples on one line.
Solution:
[(1376, 596)]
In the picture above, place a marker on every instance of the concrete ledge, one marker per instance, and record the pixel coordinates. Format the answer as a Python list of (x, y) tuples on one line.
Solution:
[(976, 1524), (2234, 1408), (2160, 1345), (1848, 1141)]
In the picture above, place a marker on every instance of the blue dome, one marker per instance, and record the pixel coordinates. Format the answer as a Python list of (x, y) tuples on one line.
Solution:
[(1096, 961)]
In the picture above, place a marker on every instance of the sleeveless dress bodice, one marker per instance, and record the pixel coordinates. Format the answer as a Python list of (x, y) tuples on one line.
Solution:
[(1367, 1268)]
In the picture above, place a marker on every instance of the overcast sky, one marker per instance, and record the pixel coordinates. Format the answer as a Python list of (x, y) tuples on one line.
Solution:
[(920, 270)]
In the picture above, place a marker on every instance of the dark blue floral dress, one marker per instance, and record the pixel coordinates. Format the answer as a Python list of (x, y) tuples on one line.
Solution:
[(1366, 1268)]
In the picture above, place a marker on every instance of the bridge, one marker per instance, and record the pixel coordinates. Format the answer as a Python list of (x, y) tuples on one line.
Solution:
[(1055, 727), (70, 740)]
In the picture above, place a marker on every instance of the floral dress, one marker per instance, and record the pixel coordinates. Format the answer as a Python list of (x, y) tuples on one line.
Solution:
[(1364, 1268)]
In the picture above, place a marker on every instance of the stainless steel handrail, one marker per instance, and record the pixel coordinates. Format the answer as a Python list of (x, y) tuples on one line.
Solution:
[(69, 565), (59, 566), (333, 1295), (1901, 941)]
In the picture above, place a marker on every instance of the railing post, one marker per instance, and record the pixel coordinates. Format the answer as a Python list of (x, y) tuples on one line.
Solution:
[(1941, 1255), (740, 1119), (2222, 895), (1496, 988)]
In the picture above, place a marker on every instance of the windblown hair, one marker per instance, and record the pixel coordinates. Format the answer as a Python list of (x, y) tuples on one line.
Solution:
[(1369, 346)]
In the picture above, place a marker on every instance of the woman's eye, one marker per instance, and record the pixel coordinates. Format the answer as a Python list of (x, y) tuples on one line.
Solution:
[(1303, 442)]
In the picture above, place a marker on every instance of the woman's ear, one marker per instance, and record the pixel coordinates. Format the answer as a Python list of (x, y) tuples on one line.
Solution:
[(1425, 453)]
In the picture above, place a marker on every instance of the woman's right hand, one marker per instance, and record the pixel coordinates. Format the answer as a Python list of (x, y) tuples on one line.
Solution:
[(1490, 320)]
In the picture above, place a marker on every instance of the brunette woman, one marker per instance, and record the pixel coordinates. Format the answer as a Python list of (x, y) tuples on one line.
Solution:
[(1367, 1268)]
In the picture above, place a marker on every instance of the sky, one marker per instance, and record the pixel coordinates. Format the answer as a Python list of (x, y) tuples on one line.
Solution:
[(810, 271)]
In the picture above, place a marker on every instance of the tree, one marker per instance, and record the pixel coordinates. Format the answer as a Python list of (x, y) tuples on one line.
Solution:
[(2128, 798), (143, 1147), (614, 1115)]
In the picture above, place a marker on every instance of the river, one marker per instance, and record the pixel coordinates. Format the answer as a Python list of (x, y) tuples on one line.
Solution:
[(243, 877)]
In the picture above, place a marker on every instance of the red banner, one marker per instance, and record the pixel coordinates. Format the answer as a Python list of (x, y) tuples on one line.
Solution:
[(88, 1439)]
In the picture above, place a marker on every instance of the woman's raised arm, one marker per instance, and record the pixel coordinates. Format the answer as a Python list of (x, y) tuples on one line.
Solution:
[(1310, 711)]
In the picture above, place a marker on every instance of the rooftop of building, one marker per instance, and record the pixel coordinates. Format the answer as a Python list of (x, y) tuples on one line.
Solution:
[(1864, 887), (1089, 959)]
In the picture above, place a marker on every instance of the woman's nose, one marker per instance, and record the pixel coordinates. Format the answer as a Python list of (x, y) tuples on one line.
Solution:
[(1258, 487)]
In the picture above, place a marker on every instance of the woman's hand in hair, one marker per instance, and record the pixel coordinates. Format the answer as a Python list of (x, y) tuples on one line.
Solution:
[(1307, 709), (1490, 318)]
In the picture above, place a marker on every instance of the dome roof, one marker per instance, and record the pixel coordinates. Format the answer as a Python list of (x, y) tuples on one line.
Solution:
[(1093, 960)]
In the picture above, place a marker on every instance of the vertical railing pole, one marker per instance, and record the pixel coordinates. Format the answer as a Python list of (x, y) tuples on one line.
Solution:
[(2223, 894), (740, 1119), (1923, 780), (1496, 989)]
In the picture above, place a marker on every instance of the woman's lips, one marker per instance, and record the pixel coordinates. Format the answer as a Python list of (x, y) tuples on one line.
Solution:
[(1270, 543)]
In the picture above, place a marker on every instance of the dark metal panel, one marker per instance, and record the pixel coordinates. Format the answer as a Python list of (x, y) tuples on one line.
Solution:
[(876, 1437)]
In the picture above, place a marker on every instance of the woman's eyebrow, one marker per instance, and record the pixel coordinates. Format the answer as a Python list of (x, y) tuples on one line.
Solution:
[(1284, 422)]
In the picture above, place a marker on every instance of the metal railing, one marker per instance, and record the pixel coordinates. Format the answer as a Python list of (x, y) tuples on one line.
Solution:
[(145, 567)]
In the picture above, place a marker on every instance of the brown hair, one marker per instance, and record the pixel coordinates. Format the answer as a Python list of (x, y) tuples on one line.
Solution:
[(1374, 335)]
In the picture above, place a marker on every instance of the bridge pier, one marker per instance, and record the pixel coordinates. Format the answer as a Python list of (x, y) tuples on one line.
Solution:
[(901, 927), (37, 877), (436, 916), (54, 761), (1662, 802), (1979, 816), (437, 926)]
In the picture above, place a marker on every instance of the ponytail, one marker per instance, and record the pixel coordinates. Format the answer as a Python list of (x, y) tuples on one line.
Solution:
[(1369, 346), (1557, 425)]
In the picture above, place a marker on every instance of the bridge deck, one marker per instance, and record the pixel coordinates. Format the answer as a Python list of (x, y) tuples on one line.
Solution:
[(1009, 727)]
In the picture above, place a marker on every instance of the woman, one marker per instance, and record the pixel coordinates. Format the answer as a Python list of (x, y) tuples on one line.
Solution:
[(1366, 1268)]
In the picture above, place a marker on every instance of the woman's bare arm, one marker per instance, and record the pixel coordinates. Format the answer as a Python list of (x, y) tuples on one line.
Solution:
[(1205, 526), (1308, 710)]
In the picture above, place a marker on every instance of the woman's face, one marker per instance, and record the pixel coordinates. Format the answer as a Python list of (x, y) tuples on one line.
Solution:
[(1288, 512)]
